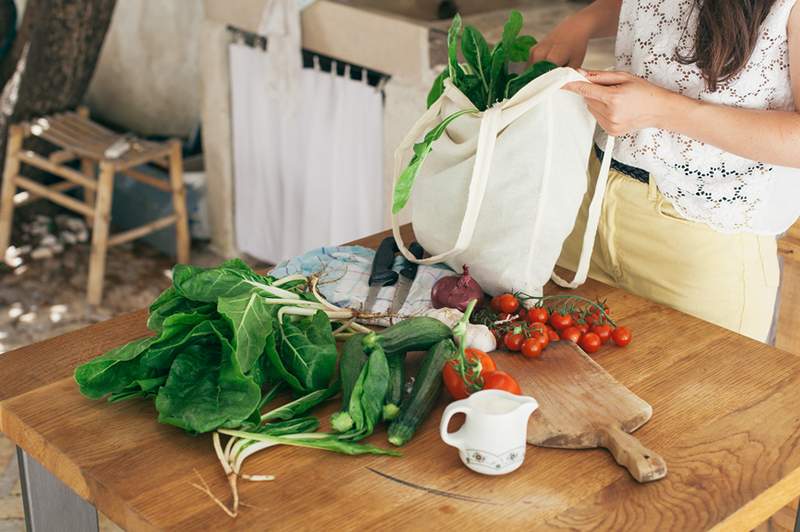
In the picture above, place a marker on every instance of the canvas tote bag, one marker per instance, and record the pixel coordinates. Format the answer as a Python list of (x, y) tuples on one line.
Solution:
[(500, 190)]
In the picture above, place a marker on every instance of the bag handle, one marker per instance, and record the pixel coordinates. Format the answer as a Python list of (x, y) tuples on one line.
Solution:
[(487, 139), (592, 221)]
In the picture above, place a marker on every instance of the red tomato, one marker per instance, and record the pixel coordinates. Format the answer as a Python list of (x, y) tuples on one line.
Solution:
[(560, 321), (572, 334), (532, 347), (452, 379), (590, 342), (513, 341), (603, 331), (554, 337), (500, 380), (621, 336), (494, 304), (508, 303), (583, 327), (539, 314), (543, 338)]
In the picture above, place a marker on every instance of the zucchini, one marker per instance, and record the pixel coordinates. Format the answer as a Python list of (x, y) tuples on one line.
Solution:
[(397, 381), (426, 390), (351, 363), (412, 334)]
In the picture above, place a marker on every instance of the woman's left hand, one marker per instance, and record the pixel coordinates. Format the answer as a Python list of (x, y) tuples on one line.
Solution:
[(622, 102)]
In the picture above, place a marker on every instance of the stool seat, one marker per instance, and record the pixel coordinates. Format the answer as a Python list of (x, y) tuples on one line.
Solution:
[(76, 137), (81, 137)]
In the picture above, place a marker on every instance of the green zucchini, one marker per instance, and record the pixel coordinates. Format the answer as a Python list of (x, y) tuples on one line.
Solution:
[(412, 334), (423, 397), (351, 362), (397, 378)]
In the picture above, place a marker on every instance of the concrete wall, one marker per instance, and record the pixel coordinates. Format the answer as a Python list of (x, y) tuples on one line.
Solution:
[(148, 77)]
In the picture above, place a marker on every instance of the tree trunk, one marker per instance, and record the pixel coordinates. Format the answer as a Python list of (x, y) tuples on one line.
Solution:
[(53, 58)]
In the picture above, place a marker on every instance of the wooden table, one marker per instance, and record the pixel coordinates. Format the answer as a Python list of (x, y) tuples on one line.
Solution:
[(726, 421)]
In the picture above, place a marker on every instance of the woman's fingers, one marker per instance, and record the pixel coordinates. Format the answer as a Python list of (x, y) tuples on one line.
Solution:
[(556, 54), (606, 77), (589, 90)]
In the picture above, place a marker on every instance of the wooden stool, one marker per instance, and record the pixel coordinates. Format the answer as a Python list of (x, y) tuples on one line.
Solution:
[(77, 137)]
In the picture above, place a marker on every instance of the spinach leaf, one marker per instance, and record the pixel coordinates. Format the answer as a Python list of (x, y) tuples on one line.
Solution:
[(170, 302), (453, 36), (438, 87), (421, 150), (206, 389), (233, 278), (308, 350), (536, 70), (276, 363), (476, 52), (113, 371), (179, 331), (366, 401), (250, 320), (510, 31)]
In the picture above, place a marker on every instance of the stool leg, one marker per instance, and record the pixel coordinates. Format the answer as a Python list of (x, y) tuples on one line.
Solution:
[(179, 202), (15, 135), (102, 219), (87, 169)]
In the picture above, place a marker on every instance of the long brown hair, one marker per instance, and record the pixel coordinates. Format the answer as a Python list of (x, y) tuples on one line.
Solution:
[(727, 31)]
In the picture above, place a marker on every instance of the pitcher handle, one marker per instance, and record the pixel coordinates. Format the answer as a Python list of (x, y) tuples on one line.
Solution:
[(451, 438)]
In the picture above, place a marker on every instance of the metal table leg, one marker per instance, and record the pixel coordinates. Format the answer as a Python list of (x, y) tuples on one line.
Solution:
[(49, 503)]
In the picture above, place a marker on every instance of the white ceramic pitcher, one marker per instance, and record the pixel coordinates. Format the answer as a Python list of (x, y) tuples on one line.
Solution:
[(493, 438)]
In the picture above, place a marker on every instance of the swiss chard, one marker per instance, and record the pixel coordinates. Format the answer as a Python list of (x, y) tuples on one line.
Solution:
[(308, 351)]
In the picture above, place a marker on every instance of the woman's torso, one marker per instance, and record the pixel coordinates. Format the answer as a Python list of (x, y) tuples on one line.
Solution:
[(704, 183)]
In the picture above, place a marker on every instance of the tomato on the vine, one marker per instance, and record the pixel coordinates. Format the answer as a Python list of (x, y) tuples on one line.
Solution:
[(539, 314), (532, 347), (590, 342), (571, 334), (560, 321), (621, 336), (583, 327), (452, 378), (513, 341), (494, 304), (553, 335), (500, 380), (603, 331), (543, 338), (507, 303)]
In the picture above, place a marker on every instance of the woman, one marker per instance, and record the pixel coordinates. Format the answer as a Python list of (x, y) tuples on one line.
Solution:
[(703, 104)]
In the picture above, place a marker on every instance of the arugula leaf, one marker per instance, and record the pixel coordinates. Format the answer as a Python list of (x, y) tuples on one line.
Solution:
[(438, 87), (477, 54), (250, 320), (453, 35), (536, 70), (206, 389), (114, 371), (308, 350), (421, 150)]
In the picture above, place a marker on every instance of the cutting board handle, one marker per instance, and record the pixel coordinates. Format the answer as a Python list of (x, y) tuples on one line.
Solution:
[(642, 463)]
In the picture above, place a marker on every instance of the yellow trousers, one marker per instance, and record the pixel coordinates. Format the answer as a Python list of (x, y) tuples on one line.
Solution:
[(645, 247)]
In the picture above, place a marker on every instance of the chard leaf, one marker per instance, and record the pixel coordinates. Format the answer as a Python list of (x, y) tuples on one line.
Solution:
[(453, 35), (472, 87), (366, 401), (510, 31), (302, 404), (292, 426), (114, 371), (232, 278), (498, 75), (206, 389), (179, 331), (477, 54), (250, 320), (275, 362), (421, 150), (308, 351), (536, 70), (521, 49), (315, 440), (170, 302), (438, 87)]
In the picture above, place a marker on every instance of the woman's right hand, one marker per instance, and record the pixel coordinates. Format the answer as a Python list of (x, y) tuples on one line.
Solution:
[(564, 46)]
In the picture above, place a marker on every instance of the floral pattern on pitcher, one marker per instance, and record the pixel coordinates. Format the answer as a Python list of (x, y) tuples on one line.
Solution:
[(493, 461)]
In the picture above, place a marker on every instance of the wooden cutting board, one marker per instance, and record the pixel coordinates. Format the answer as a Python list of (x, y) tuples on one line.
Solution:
[(581, 406)]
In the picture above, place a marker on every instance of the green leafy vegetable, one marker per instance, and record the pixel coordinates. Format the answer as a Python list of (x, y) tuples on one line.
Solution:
[(308, 350), (438, 87), (113, 371), (250, 319)]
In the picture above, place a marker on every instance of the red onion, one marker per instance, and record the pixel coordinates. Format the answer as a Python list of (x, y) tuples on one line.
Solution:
[(456, 291)]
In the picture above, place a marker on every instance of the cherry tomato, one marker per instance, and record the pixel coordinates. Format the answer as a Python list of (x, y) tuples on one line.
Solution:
[(508, 303), (494, 304), (539, 314), (590, 342), (572, 334), (560, 321), (583, 327), (593, 318), (543, 338), (513, 341), (537, 327), (500, 380), (603, 331), (554, 337), (531, 347), (452, 379), (621, 336)]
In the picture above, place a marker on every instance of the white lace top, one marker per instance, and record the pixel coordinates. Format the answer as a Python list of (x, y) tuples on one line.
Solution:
[(706, 184)]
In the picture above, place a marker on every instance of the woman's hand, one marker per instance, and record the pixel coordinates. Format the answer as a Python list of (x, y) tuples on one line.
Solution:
[(564, 46), (622, 102)]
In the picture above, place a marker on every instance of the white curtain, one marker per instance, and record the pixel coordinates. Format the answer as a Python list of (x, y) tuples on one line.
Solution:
[(307, 161)]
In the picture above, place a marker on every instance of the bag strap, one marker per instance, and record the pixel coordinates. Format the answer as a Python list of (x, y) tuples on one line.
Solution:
[(487, 139), (592, 221)]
